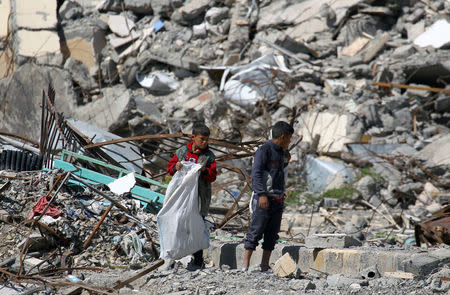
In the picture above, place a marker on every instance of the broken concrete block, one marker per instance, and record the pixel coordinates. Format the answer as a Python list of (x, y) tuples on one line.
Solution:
[(80, 74), (302, 15), (194, 8), (284, 266), (199, 31), (116, 99), (197, 103), (51, 59), (30, 263), (70, 10), (399, 275), (436, 153), (338, 241), (215, 14), (5, 10), (375, 47), (335, 130), (84, 42), (120, 25), (403, 51), (138, 6), (421, 264), (36, 43), (355, 47), (415, 30), (36, 14), (119, 41), (27, 97)]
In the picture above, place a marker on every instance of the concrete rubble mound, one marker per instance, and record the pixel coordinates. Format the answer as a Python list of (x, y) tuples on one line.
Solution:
[(97, 95)]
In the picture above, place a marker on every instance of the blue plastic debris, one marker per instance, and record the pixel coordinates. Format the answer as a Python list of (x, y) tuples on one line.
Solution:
[(158, 26)]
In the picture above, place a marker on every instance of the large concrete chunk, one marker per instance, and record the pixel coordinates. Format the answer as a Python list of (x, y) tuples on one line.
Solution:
[(436, 153), (37, 43), (21, 95), (120, 25), (5, 10), (193, 8), (335, 130), (105, 112), (303, 16), (36, 14), (338, 241), (84, 43)]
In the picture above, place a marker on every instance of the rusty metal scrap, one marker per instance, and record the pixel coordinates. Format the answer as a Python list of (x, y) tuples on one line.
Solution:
[(431, 89), (435, 230)]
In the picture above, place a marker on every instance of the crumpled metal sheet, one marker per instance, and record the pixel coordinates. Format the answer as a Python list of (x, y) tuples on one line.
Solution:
[(435, 230)]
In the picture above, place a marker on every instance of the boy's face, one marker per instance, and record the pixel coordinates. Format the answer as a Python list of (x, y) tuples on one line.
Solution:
[(284, 140), (200, 141)]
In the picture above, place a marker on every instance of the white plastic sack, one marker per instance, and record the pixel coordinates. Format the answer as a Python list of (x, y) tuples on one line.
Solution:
[(182, 230)]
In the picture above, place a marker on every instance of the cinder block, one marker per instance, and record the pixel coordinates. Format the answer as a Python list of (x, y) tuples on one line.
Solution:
[(421, 264), (324, 241), (223, 254)]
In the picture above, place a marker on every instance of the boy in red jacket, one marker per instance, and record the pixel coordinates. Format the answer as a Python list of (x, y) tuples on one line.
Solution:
[(197, 151)]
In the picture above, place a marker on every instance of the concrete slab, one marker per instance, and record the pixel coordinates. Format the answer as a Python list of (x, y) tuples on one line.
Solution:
[(436, 153), (303, 15), (36, 14), (120, 25), (335, 130), (5, 10), (36, 43), (104, 112)]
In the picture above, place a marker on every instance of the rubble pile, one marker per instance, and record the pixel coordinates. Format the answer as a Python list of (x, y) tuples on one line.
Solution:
[(69, 223), (364, 83)]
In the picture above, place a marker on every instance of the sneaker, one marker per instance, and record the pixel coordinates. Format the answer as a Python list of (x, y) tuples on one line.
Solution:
[(244, 269)]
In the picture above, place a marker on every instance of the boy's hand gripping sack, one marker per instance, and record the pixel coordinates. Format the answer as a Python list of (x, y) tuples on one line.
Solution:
[(182, 230)]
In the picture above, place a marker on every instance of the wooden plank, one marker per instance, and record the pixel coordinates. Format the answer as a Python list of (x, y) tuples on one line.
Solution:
[(119, 284)]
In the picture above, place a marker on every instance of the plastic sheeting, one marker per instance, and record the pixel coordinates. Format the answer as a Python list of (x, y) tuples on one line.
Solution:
[(262, 79), (158, 82), (320, 174)]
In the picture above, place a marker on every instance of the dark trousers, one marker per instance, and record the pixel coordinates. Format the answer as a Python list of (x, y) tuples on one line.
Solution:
[(264, 223), (198, 256)]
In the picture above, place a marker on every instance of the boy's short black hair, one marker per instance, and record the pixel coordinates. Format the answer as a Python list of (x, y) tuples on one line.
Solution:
[(200, 128), (281, 128)]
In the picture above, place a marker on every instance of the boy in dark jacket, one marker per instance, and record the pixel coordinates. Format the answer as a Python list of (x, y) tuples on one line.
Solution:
[(268, 184), (197, 151)]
